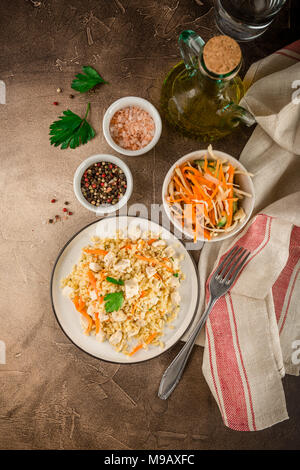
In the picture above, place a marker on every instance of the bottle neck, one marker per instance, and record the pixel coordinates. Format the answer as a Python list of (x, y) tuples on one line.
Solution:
[(212, 86), (214, 83)]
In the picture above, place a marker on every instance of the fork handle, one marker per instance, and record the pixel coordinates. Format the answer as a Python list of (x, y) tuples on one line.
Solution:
[(173, 373)]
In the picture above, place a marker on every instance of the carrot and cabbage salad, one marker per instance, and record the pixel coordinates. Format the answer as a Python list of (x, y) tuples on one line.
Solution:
[(204, 196)]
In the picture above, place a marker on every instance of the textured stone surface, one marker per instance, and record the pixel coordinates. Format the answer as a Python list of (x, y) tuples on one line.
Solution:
[(51, 394)]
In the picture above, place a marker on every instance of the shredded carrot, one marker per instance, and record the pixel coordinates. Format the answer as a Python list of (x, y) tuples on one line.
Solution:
[(212, 217), (208, 172), (89, 327), (95, 251), (144, 258), (151, 337), (230, 195), (199, 188), (181, 199), (76, 302), (97, 322), (217, 168), (155, 239), (179, 190), (164, 265), (126, 247), (181, 186), (137, 348), (214, 192), (222, 177), (191, 169), (80, 306), (133, 308), (144, 293), (92, 279), (188, 183), (148, 341), (93, 282), (198, 176), (207, 234), (221, 174), (154, 261)]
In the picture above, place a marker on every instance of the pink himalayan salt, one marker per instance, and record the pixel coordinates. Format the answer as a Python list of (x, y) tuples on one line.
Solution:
[(132, 128)]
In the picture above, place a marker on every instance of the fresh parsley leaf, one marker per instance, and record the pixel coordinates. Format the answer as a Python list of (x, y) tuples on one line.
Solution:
[(120, 282), (113, 301), (87, 80), (175, 274), (71, 130)]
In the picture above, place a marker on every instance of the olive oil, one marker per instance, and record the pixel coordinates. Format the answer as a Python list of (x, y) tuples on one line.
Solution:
[(198, 102)]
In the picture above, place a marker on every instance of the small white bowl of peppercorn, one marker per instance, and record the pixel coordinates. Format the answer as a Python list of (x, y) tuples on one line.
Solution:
[(103, 183)]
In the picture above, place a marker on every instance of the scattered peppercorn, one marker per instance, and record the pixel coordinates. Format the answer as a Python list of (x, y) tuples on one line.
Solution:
[(50, 221), (70, 213), (66, 203), (65, 210), (53, 200), (103, 186), (57, 217), (55, 103), (71, 96)]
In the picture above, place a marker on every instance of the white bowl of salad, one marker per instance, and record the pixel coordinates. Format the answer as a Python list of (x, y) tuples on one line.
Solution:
[(208, 195)]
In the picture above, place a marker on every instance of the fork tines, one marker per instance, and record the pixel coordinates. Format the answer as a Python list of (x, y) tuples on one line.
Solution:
[(228, 270)]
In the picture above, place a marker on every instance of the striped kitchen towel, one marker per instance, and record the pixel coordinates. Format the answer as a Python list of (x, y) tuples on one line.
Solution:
[(253, 332), (252, 335)]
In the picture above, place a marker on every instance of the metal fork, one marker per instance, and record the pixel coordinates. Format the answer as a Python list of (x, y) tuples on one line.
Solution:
[(220, 283)]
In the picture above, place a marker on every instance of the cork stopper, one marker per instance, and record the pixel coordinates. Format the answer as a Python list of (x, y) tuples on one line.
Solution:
[(221, 54)]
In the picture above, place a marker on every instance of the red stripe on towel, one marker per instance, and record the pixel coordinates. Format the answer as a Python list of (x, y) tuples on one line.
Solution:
[(295, 46), (288, 304), (255, 235), (228, 372), (288, 55), (281, 285), (242, 362), (228, 369), (213, 374), (250, 240)]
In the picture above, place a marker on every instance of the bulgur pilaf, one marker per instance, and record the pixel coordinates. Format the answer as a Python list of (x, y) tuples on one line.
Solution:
[(126, 289)]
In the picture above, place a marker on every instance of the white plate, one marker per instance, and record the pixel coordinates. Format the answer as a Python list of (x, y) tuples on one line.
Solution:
[(69, 319)]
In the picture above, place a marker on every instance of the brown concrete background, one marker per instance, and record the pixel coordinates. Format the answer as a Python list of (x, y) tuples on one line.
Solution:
[(51, 394)]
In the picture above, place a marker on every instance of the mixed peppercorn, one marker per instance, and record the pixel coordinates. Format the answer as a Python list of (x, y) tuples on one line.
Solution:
[(57, 217), (103, 183)]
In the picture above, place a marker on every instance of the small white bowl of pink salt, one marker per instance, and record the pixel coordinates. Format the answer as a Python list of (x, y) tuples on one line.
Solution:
[(132, 126)]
